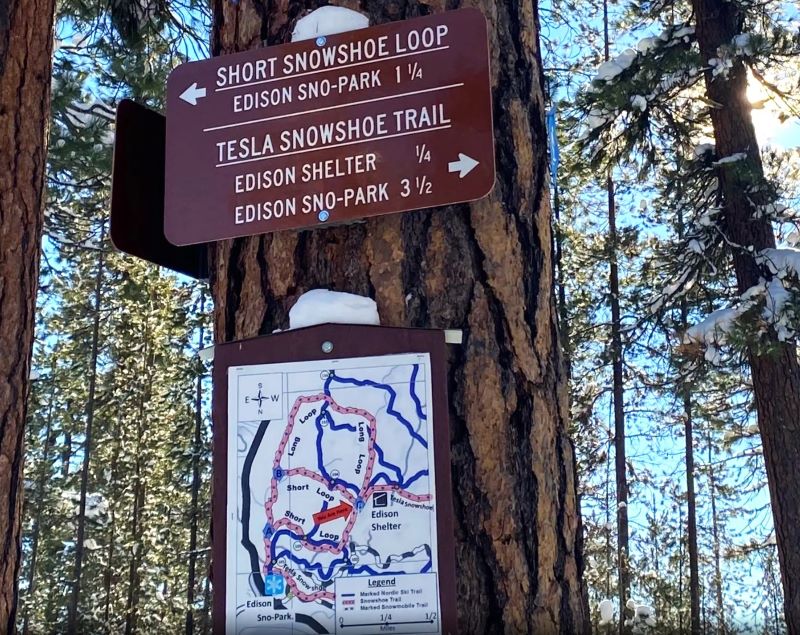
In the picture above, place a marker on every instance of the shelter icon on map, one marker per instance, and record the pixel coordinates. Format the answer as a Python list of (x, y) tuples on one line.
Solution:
[(380, 499)]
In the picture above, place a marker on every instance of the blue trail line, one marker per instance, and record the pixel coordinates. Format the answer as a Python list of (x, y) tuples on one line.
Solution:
[(417, 402), (320, 460), (385, 463), (389, 408), (284, 553)]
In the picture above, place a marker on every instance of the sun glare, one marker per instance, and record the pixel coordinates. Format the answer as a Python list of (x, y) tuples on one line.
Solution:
[(766, 112)]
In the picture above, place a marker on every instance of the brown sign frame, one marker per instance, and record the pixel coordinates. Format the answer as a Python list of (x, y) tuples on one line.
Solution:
[(417, 134), (137, 193), (349, 341)]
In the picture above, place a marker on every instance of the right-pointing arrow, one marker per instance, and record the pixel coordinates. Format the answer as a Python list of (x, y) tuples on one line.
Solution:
[(192, 94), (463, 166)]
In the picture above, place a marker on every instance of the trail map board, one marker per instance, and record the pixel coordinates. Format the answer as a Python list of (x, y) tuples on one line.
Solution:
[(338, 514), (384, 119)]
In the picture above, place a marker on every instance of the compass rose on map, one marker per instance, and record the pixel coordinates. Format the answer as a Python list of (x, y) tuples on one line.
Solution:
[(261, 397)]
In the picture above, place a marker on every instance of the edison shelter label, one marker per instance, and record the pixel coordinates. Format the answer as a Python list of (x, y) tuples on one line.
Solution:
[(384, 119)]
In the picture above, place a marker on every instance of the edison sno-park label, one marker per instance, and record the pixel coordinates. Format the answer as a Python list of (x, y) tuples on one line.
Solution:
[(331, 520), (384, 119)]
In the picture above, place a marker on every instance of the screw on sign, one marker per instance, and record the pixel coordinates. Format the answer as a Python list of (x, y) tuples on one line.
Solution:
[(384, 119)]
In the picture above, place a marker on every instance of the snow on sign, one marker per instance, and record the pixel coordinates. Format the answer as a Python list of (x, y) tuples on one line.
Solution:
[(383, 119), (338, 514)]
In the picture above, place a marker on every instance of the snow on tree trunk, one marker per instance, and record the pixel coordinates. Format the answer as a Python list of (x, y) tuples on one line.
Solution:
[(776, 374), (486, 268), (26, 40)]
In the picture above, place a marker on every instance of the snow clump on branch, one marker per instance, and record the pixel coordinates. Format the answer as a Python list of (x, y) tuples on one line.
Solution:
[(644, 617), (607, 71), (775, 295), (606, 608)]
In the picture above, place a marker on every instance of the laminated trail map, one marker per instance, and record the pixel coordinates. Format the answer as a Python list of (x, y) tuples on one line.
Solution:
[(331, 515)]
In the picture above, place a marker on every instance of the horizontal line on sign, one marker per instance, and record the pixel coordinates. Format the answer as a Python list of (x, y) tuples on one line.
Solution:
[(336, 145), (330, 68), (354, 103)]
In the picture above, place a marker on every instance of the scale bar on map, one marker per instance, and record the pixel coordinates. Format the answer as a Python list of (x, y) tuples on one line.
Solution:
[(343, 625)]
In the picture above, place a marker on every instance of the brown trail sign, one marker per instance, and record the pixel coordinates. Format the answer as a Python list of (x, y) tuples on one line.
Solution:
[(384, 119)]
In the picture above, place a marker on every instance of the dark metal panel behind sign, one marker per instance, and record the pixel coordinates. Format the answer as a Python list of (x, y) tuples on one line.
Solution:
[(385, 119), (137, 193), (331, 508)]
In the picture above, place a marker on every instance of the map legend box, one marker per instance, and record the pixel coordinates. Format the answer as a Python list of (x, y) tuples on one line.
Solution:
[(392, 603)]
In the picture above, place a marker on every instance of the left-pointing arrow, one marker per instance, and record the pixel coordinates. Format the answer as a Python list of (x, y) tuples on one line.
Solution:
[(192, 94)]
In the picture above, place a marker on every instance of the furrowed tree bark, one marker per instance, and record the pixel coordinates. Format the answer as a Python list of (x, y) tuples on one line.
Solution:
[(776, 374), (485, 268), (26, 42)]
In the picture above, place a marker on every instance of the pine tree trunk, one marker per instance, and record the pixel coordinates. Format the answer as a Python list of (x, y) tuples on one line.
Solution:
[(776, 375), (561, 287), (66, 453), (205, 615), (691, 509), (712, 491), (132, 606), (38, 505), (72, 615), (691, 500), (196, 482), (680, 569), (485, 268), (108, 576), (26, 42), (131, 609), (618, 381), (618, 393)]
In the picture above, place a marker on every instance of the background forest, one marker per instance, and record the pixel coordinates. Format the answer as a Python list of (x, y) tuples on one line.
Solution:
[(675, 505)]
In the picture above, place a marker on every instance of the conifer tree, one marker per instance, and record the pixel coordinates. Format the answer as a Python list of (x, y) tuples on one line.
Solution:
[(640, 101), (26, 34), (116, 441)]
